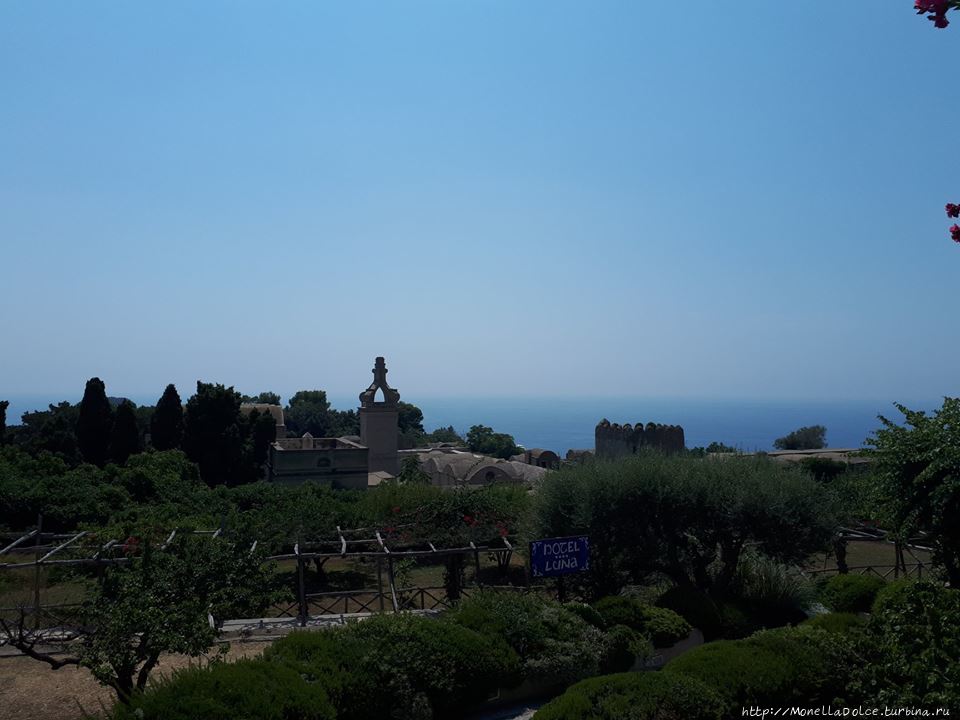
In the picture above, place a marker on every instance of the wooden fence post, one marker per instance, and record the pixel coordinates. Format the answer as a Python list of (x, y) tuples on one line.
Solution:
[(36, 574), (301, 587), (380, 581)]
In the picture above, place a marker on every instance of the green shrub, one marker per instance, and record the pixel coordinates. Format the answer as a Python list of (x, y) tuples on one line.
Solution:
[(694, 607), (664, 627), (399, 665), (780, 667), (735, 620), (652, 515), (326, 658), (587, 613), (242, 690), (552, 642), (837, 622), (771, 593), (635, 696), (850, 593), (891, 592), (622, 647), (912, 646)]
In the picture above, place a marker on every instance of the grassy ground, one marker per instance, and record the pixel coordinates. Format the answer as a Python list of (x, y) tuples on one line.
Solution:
[(30, 690), (867, 553)]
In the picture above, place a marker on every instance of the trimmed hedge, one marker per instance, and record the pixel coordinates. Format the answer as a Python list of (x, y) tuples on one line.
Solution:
[(801, 665), (842, 623), (694, 607), (622, 647), (586, 612), (402, 665), (242, 690), (851, 593), (552, 642), (635, 696), (664, 627)]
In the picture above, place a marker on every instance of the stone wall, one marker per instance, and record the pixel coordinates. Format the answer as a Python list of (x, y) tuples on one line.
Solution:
[(614, 440)]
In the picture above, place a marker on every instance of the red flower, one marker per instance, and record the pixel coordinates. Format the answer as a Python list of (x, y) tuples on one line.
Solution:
[(955, 232), (396, 508), (936, 10), (130, 545), (953, 210)]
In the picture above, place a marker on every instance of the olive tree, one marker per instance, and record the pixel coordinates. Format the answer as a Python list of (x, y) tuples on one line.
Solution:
[(157, 602), (690, 519)]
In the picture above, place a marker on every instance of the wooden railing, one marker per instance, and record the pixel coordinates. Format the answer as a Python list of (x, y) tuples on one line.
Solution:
[(885, 572)]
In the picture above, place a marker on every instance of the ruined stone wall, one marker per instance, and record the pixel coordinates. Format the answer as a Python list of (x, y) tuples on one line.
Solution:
[(613, 440)]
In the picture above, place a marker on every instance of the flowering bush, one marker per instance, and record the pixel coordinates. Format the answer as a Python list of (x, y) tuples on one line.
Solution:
[(936, 10), (953, 211)]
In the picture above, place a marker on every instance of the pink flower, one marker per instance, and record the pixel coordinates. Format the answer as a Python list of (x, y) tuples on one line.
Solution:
[(936, 10), (955, 232)]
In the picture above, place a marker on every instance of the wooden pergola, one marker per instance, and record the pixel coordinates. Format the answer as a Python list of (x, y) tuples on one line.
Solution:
[(38, 549)]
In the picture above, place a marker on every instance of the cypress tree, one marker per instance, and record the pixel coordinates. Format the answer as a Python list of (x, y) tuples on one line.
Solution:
[(166, 425), (94, 423), (125, 437), (215, 434), (4, 404)]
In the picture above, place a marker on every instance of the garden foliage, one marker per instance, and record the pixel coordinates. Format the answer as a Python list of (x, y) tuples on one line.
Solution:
[(911, 651), (635, 696), (850, 593), (687, 518), (242, 690), (552, 642), (787, 666), (918, 479), (662, 626)]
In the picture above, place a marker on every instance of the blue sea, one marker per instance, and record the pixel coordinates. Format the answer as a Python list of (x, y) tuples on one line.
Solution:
[(562, 423)]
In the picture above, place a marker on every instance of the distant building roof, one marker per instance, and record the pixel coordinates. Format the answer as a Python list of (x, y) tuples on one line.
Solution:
[(380, 476)]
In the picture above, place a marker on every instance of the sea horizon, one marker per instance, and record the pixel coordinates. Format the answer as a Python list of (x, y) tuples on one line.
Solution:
[(564, 423)]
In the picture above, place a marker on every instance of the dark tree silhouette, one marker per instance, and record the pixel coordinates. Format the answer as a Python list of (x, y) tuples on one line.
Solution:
[(166, 425), (94, 423), (4, 404), (125, 436), (215, 433)]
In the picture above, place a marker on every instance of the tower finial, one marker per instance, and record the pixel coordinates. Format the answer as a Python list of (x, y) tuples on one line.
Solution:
[(390, 396)]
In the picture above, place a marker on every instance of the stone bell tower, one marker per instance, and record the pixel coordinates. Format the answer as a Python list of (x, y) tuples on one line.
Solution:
[(379, 422)]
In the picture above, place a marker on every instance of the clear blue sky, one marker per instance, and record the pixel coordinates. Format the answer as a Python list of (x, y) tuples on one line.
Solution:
[(693, 199)]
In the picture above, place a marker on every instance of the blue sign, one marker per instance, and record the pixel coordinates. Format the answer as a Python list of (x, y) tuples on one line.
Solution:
[(559, 556)]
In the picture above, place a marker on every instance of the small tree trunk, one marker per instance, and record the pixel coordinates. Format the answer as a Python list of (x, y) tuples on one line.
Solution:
[(840, 552), (453, 577)]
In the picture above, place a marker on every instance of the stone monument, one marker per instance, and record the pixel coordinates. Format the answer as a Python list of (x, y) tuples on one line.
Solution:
[(379, 422)]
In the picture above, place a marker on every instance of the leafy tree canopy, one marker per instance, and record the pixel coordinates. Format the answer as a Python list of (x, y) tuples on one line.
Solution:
[(159, 603), (690, 519), (444, 435), (918, 478), (482, 439), (410, 418), (813, 437), (268, 398), (216, 435)]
